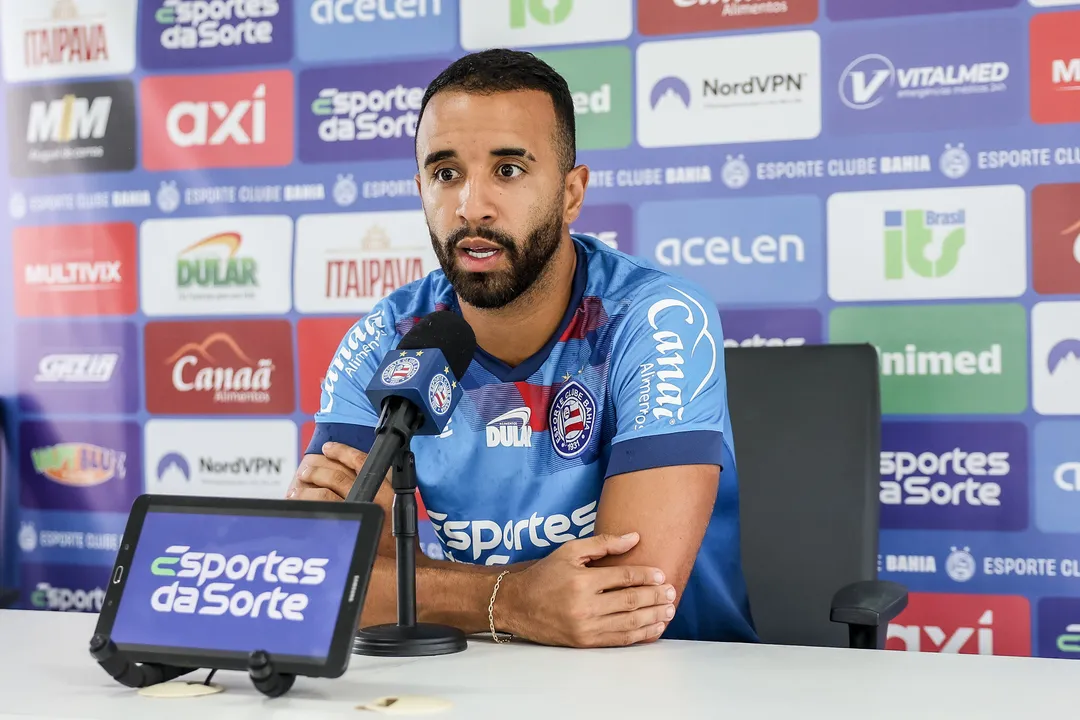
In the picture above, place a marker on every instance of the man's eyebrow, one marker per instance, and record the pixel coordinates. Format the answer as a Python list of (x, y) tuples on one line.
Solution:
[(438, 156), (513, 152)]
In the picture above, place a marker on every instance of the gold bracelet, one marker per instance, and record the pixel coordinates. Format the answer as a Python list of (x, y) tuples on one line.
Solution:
[(491, 612)]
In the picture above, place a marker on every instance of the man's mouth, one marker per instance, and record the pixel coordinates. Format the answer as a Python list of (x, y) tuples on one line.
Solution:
[(479, 249)]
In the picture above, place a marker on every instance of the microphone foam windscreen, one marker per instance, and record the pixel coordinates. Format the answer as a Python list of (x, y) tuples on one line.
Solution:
[(448, 332)]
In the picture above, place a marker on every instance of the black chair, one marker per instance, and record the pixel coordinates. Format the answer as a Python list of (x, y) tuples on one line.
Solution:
[(8, 598), (806, 423)]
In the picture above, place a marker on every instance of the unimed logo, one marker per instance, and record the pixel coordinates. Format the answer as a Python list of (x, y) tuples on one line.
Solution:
[(963, 624), (239, 120), (943, 358), (1055, 67), (75, 270), (674, 17), (601, 87)]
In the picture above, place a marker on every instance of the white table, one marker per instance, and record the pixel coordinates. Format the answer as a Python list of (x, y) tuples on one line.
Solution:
[(46, 672)]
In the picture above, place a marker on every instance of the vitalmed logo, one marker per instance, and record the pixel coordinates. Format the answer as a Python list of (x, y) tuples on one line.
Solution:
[(368, 30), (1055, 239), (943, 359), (64, 588), (1057, 476), (77, 128), (729, 89), (347, 262), (886, 83), (954, 476), (860, 9), (742, 251), (75, 270), (219, 265), (201, 33), (87, 368), (1055, 67), (49, 39), (80, 465), (927, 244), (675, 17), (227, 367), (362, 113), (220, 458), (1055, 354), (612, 225), (533, 23), (771, 328), (198, 121), (963, 624)]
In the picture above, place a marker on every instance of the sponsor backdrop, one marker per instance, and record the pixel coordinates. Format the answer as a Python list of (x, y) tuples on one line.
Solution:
[(201, 196)]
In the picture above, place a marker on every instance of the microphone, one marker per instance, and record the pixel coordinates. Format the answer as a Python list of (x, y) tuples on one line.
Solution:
[(416, 386)]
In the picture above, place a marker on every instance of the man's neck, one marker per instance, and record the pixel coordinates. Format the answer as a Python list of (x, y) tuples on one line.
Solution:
[(518, 331)]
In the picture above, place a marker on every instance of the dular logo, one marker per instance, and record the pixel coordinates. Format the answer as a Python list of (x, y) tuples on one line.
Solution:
[(78, 128), (511, 429)]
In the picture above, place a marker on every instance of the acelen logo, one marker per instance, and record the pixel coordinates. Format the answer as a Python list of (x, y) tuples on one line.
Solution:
[(963, 624), (675, 17), (317, 341), (954, 476), (202, 33), (533, 23), (228, 367), (49, 39), (1057, 476), (358, 30), (362, 113), (198, 121), (75, 270), (754, 250), (771, 328), (1055, 239), (1055, 67), (347, 262)]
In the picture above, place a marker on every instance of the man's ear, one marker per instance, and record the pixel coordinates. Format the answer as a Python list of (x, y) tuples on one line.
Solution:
[(576, 182)]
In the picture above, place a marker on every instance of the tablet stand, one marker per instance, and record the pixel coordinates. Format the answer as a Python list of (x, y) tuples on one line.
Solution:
[(407, 638), (135, 675)]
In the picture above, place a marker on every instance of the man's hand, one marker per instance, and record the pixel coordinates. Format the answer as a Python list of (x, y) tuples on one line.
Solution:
[(322, 477), (560, 600)]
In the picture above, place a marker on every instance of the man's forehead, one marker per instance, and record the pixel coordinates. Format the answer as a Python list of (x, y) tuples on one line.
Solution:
[(485, 122)]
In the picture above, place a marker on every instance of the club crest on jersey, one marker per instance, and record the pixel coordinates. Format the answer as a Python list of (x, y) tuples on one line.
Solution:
[(439, 392), (572, 419), (400, 370)]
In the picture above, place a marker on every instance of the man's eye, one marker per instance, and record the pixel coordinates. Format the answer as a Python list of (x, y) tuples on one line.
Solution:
[(444, 175), (509, 170)]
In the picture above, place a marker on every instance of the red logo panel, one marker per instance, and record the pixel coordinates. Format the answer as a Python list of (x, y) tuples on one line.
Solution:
[(318, 340), (670, 17), (242, 367), (201, 121), (76, 270), (1055, 67), (1055, 236), (964, 624)]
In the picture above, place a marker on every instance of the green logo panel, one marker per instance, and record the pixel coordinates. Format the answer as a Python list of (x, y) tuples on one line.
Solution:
[(940, 359), (600, 81)]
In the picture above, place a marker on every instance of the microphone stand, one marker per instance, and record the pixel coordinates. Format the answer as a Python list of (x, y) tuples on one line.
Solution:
[(407, 638)]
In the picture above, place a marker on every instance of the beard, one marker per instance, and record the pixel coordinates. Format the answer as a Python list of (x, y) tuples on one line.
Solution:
[(498, 288)]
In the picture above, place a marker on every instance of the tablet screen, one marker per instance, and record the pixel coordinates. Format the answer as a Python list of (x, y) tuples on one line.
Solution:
[(229, 583)]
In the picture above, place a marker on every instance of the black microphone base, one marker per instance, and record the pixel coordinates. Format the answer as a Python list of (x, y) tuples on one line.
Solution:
[(409, 641)]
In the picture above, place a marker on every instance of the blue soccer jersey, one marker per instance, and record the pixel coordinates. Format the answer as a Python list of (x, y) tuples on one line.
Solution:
[(633, 379)]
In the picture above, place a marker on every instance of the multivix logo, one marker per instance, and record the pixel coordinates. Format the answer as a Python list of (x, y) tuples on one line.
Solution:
[(214, 594), (511, 429), (923, 242)]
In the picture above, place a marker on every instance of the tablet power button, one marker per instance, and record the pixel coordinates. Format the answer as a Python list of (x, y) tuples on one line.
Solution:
[(118, 574)]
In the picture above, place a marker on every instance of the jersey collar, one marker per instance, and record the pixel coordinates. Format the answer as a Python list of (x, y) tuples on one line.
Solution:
[(505, 373)]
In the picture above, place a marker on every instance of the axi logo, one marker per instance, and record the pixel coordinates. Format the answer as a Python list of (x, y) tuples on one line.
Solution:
[(241, 120), (963, 624), (1055, 238), (79, 464), (192, 592), (909, 235), (1055, 67)]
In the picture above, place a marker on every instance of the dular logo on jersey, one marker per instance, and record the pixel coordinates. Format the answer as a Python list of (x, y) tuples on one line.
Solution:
[(75, 128), (681, 335), (511, 429), (49, 39)]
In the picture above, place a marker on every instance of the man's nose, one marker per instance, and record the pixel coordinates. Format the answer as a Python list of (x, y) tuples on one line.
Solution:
[(476, 204)]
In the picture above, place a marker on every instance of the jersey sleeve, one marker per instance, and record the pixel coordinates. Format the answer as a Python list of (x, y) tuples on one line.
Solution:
[(667, 381), (345, 414)]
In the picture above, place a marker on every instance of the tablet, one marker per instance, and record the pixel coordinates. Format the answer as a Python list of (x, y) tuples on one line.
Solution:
[(201, 582)]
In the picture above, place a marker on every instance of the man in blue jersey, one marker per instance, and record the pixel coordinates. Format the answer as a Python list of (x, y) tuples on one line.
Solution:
[(587, 479)]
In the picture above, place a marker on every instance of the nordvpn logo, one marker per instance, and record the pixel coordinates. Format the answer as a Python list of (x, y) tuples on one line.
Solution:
[(173, 467), (668, 90)]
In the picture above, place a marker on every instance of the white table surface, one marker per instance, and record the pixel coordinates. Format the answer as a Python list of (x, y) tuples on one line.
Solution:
[(46, 672)]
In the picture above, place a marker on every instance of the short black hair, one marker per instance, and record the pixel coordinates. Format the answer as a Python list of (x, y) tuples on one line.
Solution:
[(501, 70)]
